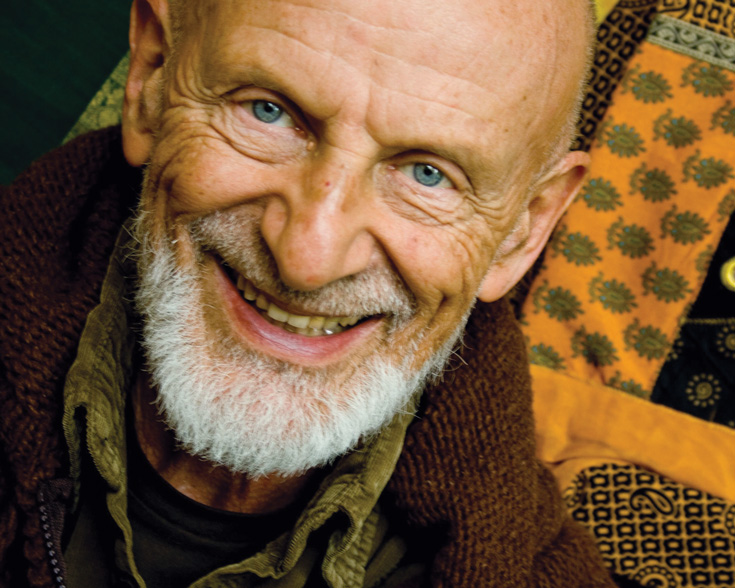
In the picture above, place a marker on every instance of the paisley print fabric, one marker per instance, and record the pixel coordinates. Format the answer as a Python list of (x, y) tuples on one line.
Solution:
[(618, 36), (105, 108), (630, 332), (628, 258), (713, 15), (699, 374), (655, 531)]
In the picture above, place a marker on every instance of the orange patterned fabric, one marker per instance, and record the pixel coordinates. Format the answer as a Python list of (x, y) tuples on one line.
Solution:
[(629, 257), (654, 486), (714, 15)]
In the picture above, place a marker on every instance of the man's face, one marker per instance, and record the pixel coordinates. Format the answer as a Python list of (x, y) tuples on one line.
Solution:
[(340, 180)]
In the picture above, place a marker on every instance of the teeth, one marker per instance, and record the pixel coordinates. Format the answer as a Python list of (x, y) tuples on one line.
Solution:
[(300, 322), (250, 293), (262, 302), (312, 326), (277, 314), (330, 324), (317, 322)]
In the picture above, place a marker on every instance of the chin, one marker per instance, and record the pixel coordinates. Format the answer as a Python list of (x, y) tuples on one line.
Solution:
[(252, 413)]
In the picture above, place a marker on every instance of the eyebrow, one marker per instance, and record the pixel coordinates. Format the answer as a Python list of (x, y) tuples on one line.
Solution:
[(231, 76)]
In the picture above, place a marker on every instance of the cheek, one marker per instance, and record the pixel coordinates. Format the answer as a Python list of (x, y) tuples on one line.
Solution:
[(440, 272), (442, 266), (204, 176), (189, 176), (196, 171)]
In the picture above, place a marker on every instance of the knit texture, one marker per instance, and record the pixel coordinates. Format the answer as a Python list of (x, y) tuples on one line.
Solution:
[(468, 467), (467, 471), (57, 229)]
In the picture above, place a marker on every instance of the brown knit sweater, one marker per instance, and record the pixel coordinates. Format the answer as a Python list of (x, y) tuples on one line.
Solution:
[(467, 473)]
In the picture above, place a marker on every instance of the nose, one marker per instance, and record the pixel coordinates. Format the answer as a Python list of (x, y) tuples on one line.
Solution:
[(318, 228)]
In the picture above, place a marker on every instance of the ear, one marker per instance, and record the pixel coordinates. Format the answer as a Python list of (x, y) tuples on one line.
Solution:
[(524, 243), (149, 39)]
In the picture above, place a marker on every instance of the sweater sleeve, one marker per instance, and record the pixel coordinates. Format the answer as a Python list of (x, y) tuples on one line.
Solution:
[(469, 469)]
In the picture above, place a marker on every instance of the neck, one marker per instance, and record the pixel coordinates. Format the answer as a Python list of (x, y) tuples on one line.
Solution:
[(201, 480)]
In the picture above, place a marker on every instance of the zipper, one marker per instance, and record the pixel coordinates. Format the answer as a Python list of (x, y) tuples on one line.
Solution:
[(51, 498)]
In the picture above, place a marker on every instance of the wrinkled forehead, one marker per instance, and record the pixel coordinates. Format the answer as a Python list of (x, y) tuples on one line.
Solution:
[(450, 31), (498, 69)]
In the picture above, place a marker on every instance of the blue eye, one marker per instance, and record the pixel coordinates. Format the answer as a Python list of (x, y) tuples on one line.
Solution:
[(267, 112), (427, 175)]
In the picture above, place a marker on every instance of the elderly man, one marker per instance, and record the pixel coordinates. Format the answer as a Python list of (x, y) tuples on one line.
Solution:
[(329, 186)]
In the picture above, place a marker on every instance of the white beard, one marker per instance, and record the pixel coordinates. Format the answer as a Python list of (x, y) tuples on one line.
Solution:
[(251, 413)]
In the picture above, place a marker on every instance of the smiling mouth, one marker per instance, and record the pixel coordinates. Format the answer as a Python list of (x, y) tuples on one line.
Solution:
[(308, 325)]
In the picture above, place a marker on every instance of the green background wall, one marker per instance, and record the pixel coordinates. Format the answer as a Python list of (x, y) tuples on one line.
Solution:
[(54, 56)]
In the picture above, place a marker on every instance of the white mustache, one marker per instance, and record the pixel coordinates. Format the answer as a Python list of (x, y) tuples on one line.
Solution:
[(235, 237)]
